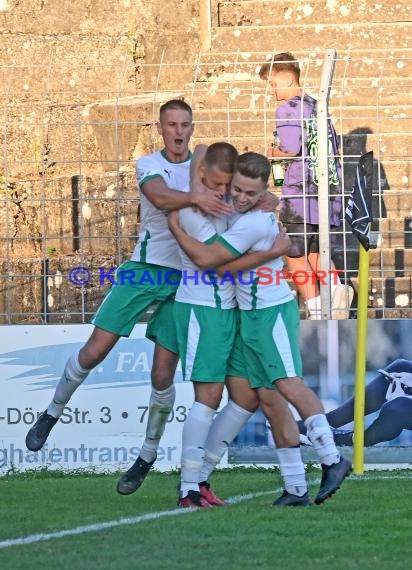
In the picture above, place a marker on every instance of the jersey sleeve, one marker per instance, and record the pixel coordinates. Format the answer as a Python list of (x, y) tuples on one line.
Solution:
[(243, 235), (146, 169), (196, 225), (289, 127)]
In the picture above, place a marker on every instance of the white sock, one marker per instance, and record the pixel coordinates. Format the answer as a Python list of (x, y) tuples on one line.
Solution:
[(160, 405), (195, 431), (320, 435), (73, 375), (314, 308), (225, 427), (292, 470)]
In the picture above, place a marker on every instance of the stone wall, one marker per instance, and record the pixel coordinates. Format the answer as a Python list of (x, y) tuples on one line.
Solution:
[(68, 68), (81, 82), (60, 57)]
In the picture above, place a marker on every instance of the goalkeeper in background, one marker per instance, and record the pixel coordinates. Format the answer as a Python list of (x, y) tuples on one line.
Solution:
[(390, 392)]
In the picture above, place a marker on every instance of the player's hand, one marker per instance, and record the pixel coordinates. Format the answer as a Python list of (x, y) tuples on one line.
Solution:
[(267, 203), (404, 377), (210, 202), (281, 244)]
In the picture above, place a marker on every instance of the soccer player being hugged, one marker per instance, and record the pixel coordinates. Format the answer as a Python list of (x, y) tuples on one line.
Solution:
[(206, 323)]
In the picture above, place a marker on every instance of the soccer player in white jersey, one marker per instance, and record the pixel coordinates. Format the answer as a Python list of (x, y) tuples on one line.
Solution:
[(269, 316), (206, 325), (163, 179)]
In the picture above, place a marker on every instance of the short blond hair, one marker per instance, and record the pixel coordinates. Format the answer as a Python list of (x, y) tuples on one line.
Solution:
[(284, 61)]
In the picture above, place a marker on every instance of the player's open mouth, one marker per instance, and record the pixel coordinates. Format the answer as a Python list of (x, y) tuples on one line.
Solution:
[(178, 142)]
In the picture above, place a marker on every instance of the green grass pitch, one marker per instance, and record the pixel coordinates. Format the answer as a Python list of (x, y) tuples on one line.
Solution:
[(46, 522)]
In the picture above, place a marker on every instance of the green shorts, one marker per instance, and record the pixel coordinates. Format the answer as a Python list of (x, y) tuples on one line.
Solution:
[(237, 365), (161, 327), (205, 336), (138, 285), (271, 344)]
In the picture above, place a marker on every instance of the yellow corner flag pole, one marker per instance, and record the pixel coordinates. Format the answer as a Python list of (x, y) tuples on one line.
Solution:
[(360, 362), (359, 215)]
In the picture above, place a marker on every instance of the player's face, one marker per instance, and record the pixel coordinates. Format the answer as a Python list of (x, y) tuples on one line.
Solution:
[(246, 192), (280, 84), (215, 179), (176, 129)]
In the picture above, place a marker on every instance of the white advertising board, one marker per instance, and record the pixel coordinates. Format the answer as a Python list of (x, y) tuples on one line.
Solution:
[(104, 424)]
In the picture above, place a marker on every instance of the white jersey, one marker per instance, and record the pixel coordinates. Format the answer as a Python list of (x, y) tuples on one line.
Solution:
[(256, 289), (156, 243), (202, 287)]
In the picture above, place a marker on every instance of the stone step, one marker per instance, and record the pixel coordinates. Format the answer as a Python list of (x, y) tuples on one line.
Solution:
[(114, 130), (388, 297), (108, 142), (232, 65), (391, 296), (388, 174), (106, 206), (49, 72), (394, 203), (386, 145), (385, 261), (386, 120), (377, 64), (389, 233), (391, 181), (396, 232), (246, 13), (337, 35), (392, 260), (239, 122), (243, 95)]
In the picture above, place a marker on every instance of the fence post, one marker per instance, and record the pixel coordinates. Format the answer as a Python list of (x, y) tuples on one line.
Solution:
[(323, 189), (205, 14)]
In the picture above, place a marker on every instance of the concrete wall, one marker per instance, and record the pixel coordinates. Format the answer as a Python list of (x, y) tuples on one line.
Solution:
[(59, 56)]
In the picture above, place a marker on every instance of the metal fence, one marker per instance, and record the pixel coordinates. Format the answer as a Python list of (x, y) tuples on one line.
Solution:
[(68, 193)]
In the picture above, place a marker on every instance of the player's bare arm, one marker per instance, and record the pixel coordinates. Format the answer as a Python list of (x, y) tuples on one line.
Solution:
[(268, 203), (275, 152), (166, 198), (280, 247), (205, 256)]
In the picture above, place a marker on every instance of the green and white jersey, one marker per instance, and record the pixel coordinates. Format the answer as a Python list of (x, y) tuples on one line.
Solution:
[(258, 288), (156, 243), (202, 287)]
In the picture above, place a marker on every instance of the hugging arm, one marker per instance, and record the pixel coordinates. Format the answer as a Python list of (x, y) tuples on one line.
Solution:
[(256, 259), (165, 198), (205, 256)]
